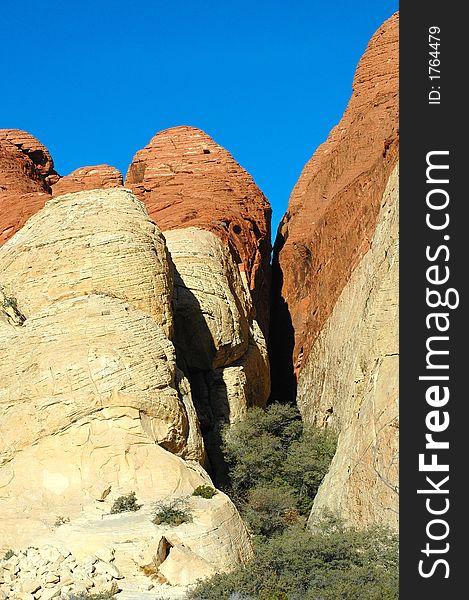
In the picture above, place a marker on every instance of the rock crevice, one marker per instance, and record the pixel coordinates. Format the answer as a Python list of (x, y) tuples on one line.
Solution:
[(334, 321)]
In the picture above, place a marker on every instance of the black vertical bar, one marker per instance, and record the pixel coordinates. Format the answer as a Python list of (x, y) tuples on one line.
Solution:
[(432, 121)]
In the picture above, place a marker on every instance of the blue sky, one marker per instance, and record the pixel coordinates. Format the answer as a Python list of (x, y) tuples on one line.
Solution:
[(94, 81)]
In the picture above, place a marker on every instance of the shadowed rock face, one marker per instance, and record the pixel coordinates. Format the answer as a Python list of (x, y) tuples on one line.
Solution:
[(334, 316), (188, 180), (219, 345)]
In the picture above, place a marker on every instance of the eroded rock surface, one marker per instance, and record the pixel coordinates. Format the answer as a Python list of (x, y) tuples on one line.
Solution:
[(92, 403), (351, 382), (88, 178), (28, 178), (69, 249), (23, 182), (127, 552), (31, 147), (188, 180), (219, 344), (78, 357)]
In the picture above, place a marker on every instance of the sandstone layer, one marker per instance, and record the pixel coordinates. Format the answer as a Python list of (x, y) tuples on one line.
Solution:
[(28, 178), (350, 382), (334, 320), (188, 180), (68, 250), (88, 178), (25, 166), (38, 154), (333, 209), (92, 403), (210, 303)]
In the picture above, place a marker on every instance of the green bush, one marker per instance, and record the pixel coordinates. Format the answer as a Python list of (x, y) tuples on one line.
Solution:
[(174, 513), (276, 466), (255, 447), (270, 510), (9, 304), (126, 503), (204, 491), (90, 596), (272, 449), (8, 554), (331, 563), (307, 462)]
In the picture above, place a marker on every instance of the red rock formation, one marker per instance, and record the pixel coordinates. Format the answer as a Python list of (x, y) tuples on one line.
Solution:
[(34, 150), (27, 179), (23, 185), (186, 179), (333, 208), (88, 178)]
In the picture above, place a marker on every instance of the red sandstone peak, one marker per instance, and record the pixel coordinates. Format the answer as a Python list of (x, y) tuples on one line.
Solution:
[(27, 179), (25, 167), (333, 208), (17, 171), (88, 178), (33, 149), (188, 180)]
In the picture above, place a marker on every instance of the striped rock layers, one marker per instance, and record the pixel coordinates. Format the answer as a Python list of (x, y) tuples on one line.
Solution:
[(92, 402), (186, 179)]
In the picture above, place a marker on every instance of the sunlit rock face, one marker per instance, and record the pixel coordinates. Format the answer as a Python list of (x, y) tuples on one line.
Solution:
[(187, 180), (92, 402), (334, 321)]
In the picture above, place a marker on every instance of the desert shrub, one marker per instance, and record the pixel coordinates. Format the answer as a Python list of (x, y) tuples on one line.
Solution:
[(272, 449), (306, 463), (204, 491), (90, 596), (255, 447), (126, 503), (8, 554), (10, 302), (331, 563), (10, 305), (276, 466), (269, 510), (174, 512)]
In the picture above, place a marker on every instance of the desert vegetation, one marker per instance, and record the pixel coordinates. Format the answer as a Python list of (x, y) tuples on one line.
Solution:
[(127, 503), (173, 512), (276, 466), (204, 491)]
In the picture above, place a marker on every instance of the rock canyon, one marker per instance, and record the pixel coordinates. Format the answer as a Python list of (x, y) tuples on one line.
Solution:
[(140, 315)]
